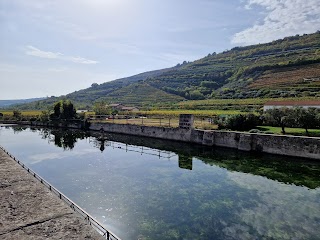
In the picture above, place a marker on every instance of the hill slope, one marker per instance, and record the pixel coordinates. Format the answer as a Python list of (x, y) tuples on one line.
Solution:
[(8, 103), (283, 68), (232, 74)]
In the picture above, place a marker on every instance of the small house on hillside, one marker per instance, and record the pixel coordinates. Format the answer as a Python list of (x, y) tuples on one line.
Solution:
[(115, 106), (81, 111), (120, 107), (291, 104), (130, 109)]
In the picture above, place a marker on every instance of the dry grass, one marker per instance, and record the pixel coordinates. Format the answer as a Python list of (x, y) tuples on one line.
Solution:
[(160, 122)]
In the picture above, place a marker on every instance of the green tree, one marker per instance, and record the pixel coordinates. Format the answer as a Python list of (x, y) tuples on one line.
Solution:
[(17, 114), (68, 110), (64, 109), (306, 118), (101, 108), (45, 115), (241, 122), (57, 110), (281, 117), (196, 95)]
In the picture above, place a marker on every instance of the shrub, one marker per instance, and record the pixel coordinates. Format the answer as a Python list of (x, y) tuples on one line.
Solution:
[(240, 122)]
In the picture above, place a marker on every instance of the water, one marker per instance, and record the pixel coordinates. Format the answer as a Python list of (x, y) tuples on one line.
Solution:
[(151, 189)]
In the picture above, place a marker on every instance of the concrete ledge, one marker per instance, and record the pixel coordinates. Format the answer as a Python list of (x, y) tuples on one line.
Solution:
[(28, 210)]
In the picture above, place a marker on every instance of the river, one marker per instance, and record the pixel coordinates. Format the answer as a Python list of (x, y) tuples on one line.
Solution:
[(143, 188)]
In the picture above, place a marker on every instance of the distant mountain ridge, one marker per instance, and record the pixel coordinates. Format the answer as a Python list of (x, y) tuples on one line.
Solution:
[(7, 103), (288, 67)]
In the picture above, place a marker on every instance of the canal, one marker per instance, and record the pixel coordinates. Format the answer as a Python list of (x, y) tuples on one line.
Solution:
[(143, 188)]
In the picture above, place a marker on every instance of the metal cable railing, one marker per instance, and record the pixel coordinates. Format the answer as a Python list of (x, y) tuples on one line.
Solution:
[(89, 219)]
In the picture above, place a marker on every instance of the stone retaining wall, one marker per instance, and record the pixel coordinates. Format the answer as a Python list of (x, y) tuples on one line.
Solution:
[(308, 147)]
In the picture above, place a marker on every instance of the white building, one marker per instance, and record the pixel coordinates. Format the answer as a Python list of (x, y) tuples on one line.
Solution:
[(291, 104), (81, 111)]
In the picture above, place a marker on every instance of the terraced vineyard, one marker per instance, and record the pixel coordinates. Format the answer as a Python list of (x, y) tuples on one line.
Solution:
[(292, 79), (235, 104)]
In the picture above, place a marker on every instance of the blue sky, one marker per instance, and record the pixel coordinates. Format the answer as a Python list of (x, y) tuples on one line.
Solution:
[(54, 47)]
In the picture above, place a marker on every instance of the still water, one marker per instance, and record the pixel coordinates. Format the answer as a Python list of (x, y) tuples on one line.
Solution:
[(151, 189)]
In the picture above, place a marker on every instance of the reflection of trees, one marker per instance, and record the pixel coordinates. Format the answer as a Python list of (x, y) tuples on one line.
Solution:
[(19, 129), (284, 169), (185, 162), (65, 139)]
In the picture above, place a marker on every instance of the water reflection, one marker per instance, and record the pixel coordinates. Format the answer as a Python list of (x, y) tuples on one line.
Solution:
[(185, 162), (300, 172), (151, 189), (64, 139)]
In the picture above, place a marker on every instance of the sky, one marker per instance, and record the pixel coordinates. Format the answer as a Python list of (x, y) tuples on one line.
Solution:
[(55, 47)]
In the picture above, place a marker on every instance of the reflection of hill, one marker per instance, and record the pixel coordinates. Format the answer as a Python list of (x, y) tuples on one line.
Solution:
[(283, 169)]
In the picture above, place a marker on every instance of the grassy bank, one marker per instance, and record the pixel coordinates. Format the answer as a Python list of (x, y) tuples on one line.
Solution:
[(291, 131)]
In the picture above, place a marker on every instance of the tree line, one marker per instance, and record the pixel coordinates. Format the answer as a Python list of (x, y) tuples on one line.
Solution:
[(306, 118)]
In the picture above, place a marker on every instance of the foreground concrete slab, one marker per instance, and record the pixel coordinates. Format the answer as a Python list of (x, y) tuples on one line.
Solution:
[(28, 210)]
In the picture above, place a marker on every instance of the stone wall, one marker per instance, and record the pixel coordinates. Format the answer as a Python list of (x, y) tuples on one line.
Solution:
[(307, 147), (177, 134), (277, 144)]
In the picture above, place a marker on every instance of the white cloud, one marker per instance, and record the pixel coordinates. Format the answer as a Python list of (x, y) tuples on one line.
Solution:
[(283, 18), (33, 51), (42, 54), (37, 158)]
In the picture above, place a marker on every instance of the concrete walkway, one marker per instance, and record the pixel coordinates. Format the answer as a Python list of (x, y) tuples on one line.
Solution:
[(28, 210)]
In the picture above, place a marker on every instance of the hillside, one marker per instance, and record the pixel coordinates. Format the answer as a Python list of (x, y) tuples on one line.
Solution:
[(8, 103), (287, 67), (233, 74)]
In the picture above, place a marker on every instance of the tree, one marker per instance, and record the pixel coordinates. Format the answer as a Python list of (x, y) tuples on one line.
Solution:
[(45, 115), (68, 110), (100, 108), (241, 122), (63, 109), (196, 95), (281, 117), (17, 114), (57, 109), (306, 118)]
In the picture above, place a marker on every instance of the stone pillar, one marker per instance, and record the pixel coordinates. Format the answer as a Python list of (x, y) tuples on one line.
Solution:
[(186, 121)]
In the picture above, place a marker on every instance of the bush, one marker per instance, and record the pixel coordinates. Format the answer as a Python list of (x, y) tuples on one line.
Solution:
[(240, 122)]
